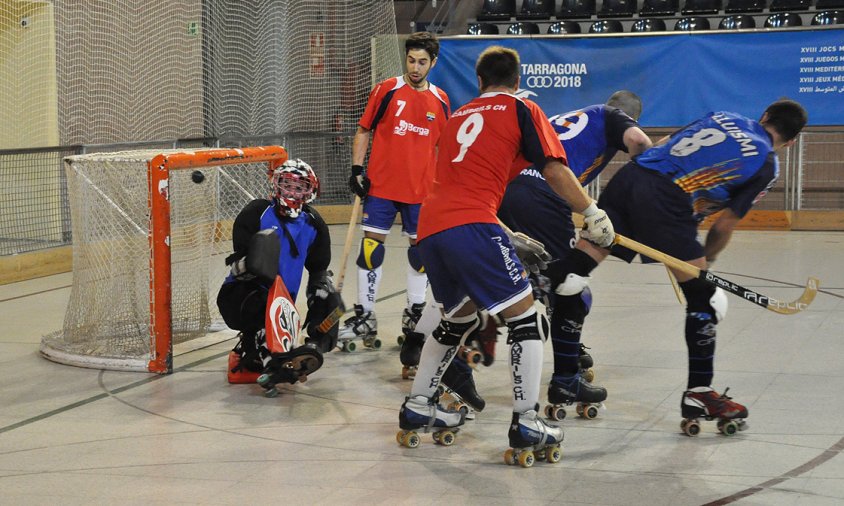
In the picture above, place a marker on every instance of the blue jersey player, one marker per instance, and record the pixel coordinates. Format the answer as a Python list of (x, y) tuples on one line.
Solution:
[(721, 162), (591, 137)]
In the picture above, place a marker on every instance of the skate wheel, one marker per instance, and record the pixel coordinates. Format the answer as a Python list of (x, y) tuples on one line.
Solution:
[(459, 407), (349, 346), (446, 437), (727, 428), (555, 413), (263, 380), (400, 340), (588, 375), (587, 411), (410, 439), (691, 428), (554, 455), (376, 344), (526, 458), (271, 392), (509, 457)]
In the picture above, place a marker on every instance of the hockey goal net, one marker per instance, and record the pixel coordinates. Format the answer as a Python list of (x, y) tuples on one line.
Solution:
[(151, 231)]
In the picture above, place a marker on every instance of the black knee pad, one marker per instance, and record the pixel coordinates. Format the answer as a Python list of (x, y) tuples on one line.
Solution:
[(573, 307), (698, 296), (700, 317), (243, 305), (529, 328), (575, 262), (450, 333)]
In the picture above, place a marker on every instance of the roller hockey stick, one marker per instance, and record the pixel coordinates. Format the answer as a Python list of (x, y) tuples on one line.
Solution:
[(768, 303)]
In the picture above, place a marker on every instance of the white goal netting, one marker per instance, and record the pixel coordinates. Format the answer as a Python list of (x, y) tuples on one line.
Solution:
[(107, 323)]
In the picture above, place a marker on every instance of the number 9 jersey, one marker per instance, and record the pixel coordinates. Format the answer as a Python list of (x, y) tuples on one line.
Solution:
[(720, 160), (484, 146)]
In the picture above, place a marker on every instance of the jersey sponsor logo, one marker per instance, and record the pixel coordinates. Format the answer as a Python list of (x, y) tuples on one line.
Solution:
[(404, 127), (430, 116), (532, 172)]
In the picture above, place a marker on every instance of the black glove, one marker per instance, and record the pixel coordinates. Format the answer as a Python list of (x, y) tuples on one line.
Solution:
[(358, 183)]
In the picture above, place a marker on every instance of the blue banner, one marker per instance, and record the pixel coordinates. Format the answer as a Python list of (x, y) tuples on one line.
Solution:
[(680, 77)]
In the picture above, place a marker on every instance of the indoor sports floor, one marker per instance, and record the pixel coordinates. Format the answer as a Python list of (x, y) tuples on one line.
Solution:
[(81, 436)]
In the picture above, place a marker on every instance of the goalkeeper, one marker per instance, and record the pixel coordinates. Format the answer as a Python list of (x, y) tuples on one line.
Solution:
[(284, 236)]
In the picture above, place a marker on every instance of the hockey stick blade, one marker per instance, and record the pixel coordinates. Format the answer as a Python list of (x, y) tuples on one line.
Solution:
[(768, 303)]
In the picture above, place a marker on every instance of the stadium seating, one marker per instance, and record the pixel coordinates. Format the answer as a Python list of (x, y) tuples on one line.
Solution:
[(536, 9), (659, 8), (576, 9), (736, 6), (497, 10), (790, 5), (563, 27), (617, 9), (606, 26), (523, 28), (648, 25), (783, 20), (691, 24), (482, 29), (828, 18), (701, 7), (737, 22)]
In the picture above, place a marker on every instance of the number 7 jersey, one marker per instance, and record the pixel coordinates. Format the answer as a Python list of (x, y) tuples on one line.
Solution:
[(484, 146)]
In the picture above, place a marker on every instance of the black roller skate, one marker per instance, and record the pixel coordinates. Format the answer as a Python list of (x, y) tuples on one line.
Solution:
[(361, 326), (409, 319), (531, 439), (290, 367), (411, 350), (567, 391), (459, 383), (706, 403), (419, 412), (480, 345), (585, 363)]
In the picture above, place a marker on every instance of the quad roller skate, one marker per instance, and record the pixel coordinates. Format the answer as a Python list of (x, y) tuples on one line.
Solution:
[(245, 363), (421, 413), (459, 383), (531, 439), (480, 345), (706, 403), (409, 319), (411, 350), (361, 326), (564, 392), (290, 367), (585, 363)]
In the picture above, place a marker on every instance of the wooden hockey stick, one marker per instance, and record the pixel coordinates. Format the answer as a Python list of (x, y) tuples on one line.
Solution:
[(768, 303), (676, 286)]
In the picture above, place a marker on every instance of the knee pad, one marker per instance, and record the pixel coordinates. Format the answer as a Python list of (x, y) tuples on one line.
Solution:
[(701, 297), (415, 259), (452, 333), (371, 254), (530, 328), (574, 307)]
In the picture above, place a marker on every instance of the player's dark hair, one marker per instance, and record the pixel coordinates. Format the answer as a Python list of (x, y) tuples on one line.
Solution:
[(498, 66), (423, 40), (787, 117), (628, 102)]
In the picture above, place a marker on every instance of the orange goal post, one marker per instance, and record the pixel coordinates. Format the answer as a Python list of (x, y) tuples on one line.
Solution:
[(151, 230)]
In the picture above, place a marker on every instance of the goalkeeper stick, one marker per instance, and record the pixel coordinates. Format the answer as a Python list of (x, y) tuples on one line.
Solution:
[(768, 303)]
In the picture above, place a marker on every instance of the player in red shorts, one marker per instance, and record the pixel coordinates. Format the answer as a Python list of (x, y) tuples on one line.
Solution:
[(404, 117), (471, 263)]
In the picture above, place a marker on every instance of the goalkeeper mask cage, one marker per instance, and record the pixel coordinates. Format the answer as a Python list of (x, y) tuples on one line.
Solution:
[(294, 184)]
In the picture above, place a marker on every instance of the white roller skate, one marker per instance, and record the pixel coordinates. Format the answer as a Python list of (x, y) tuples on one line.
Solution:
[(421, 413), (361, 326), (532, 438)]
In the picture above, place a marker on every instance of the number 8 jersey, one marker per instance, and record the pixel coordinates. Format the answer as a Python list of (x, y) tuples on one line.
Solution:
[(484, 146), (721, 160)]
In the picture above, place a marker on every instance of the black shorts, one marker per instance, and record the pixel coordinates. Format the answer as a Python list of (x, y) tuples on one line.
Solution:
[(648, 207), (243, 305), (539, 214)]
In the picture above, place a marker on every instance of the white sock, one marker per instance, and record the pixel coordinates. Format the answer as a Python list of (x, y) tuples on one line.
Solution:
[(368, 282), (433, 362), (417, 286), (430, 318), (525, 369)]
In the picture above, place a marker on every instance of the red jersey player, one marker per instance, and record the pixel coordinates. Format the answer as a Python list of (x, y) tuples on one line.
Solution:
[(405, 116), (469, 259)]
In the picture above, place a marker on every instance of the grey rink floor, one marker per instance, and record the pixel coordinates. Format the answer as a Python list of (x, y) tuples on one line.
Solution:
[(81, 436)]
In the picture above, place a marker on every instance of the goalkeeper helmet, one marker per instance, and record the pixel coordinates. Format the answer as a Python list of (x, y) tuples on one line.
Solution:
[(294, 184)]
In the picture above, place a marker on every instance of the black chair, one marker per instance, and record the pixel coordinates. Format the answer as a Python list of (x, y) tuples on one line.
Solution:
[(829, 4), (576, 9), (691, 24), (659, 8), (828, 18), (497, 10), (523, 28), (606, 26), (648, 25), (536, 9), (783, 20), (617, 9), (735, 6), (790, 5), (701, 7), (563, 27), (482, 29), (737, 22)]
